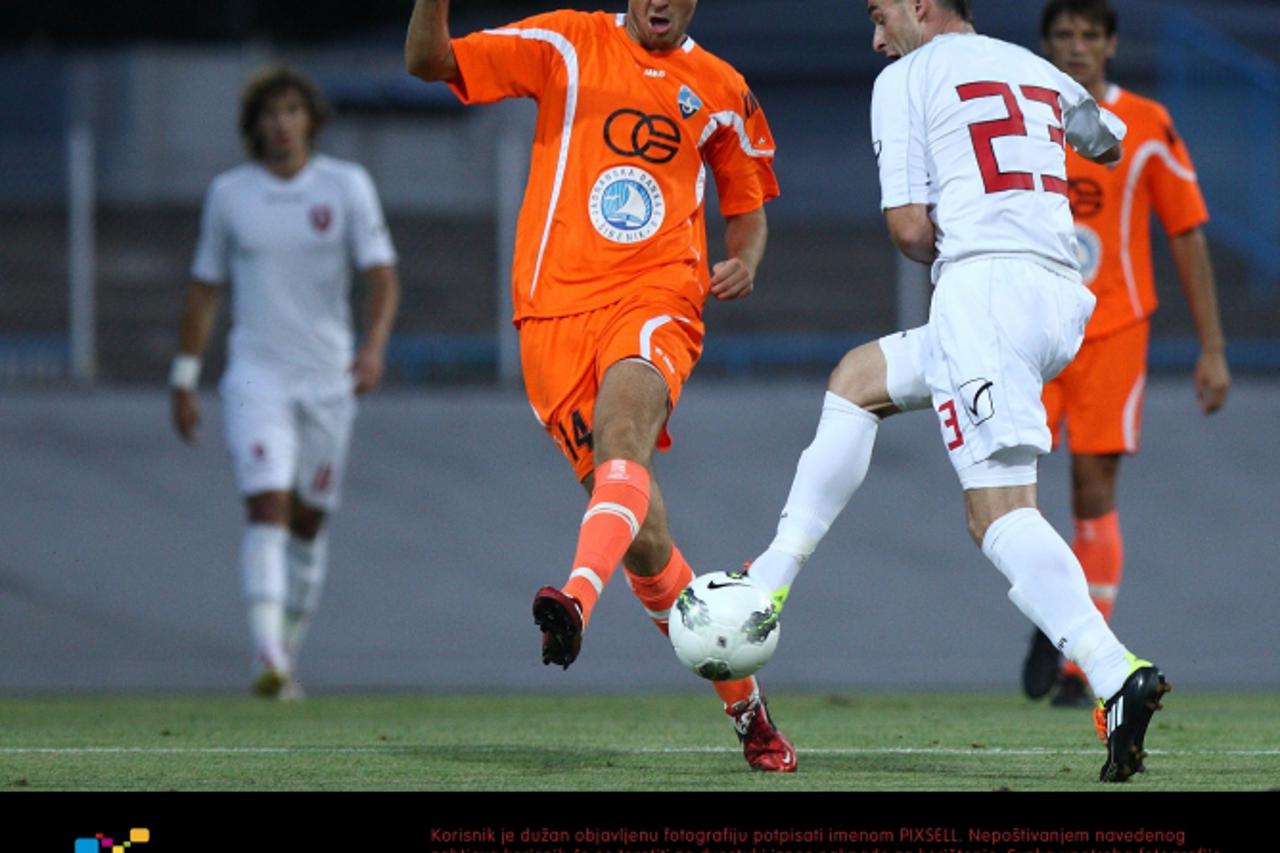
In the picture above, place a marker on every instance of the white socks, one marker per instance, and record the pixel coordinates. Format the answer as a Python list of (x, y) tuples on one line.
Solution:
[(830, 470), (307, 563), (262, 568), (1048, 586)]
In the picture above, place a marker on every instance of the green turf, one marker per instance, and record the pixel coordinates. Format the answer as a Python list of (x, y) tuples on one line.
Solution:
[(892, 742)]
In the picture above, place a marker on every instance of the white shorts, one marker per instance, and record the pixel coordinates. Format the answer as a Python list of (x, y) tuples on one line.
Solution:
[(287, 436), (999, 328)]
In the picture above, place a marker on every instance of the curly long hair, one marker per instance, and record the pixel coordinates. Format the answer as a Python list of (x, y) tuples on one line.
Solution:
[(265, 85)]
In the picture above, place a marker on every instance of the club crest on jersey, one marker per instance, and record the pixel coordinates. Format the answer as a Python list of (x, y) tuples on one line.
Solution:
[(321, 216), (689, 102), (1088, 252), (626, 205)]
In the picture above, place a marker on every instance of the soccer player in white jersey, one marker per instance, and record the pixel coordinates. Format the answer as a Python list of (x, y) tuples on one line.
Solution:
[(969, 135), (285, 230)]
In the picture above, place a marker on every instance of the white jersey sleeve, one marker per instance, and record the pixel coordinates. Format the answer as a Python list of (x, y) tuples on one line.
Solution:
[(1091, 129), (898, 137), (212, 260), (368, 234)]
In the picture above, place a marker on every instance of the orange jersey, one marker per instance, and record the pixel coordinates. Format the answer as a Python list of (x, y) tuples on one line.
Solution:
[(616, 178), (1112, 208)]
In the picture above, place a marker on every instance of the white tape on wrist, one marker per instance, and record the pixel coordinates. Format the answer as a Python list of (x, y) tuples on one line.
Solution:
[(185, 372)]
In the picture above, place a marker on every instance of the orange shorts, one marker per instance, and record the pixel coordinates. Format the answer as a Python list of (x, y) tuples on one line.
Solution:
[(564, 359), (1099, 394)]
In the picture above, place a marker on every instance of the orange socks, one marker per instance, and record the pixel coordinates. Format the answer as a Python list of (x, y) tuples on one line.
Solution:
[(733, 692), (617, 509), (1100, 548), (658, 595)]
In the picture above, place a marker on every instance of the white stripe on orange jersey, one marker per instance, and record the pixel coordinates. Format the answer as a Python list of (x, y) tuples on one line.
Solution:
[(728, 118), (1131, 413), (570, 57), (1150, 148)]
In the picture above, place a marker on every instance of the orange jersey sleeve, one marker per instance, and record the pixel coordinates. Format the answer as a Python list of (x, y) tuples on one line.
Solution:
[(1112, 207), (616, 192), (504, 63)]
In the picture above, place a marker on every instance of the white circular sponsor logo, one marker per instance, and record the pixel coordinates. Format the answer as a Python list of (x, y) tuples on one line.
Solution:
[(626, 205), (1088, 252)]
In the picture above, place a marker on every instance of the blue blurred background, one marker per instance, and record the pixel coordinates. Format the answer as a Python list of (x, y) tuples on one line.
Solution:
[(139, 97)]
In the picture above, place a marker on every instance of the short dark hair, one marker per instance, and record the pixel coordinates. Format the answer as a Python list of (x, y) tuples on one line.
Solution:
[(963, 8), (1098, 11), (265, 85)]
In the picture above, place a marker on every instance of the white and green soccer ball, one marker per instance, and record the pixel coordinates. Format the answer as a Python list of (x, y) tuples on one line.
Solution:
[(724, 626)]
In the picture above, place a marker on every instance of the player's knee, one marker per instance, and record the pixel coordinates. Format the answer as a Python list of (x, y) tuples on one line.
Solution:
[(1092, 502), (306, 521), (1093, 486), (984, 505), (859, 377), (268, 508), (625, 438)]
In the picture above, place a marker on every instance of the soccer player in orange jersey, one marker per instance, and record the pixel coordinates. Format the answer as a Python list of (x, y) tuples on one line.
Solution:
[(1099, 395), (611, 271)]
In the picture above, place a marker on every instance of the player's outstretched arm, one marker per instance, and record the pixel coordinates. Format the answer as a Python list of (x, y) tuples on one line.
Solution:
[(427, 51), (1212, 377), (384, 299), (744, 241), (193, 335)]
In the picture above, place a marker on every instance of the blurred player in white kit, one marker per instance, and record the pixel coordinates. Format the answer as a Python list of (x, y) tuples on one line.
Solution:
[(285, 230), (969, 134)]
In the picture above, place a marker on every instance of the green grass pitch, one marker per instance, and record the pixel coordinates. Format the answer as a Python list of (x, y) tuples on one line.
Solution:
[(958, 741)]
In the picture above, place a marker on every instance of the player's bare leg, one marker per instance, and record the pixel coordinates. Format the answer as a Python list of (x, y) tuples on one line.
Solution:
[(631, 408)]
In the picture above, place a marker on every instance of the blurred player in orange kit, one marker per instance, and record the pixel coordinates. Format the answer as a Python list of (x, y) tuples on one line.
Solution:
[(611, 271), (1099, 395)]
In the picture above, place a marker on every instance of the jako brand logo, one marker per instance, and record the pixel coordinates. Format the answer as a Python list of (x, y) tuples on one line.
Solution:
[(101, 843)]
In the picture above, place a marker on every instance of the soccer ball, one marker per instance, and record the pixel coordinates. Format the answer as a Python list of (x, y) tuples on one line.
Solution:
[(724, 626)]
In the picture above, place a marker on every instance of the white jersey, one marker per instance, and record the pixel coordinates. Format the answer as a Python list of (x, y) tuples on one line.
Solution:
[(288, 247), (974, 127)]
